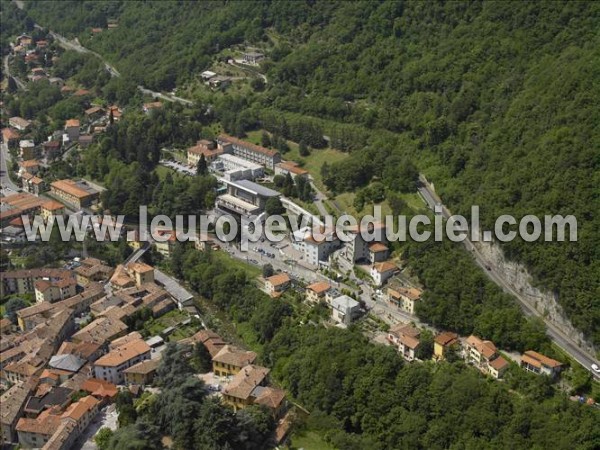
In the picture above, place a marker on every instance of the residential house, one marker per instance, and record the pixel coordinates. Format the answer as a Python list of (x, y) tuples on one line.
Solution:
[(100, 389), (72, 129), (51, 149), (344, 309), (27, 149), (497, 367), (34, 433), (406, 339), (67, 362), (381, 272), (484, 355), (148, 107), (19, 123), (318, 244), (101, 330), (252, 57), (540, 364), (211, 340), (23, 281), (249, 387), (378, 252), (230, 360), (49, 290), (31, 166), (10, 136), (315, 292), (404, 298), (111, 366), (219, 82), (91, 270), (277, 284), (442, 343), (32, 184), (142, 373), (47, 397), (12, 405), (82, 412)]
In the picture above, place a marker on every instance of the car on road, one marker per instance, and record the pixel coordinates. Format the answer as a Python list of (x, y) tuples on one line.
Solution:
[(595, 368)]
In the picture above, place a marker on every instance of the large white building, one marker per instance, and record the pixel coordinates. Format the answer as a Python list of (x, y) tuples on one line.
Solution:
[(249, 151), (111, 366), (316, 244), (236, 168)]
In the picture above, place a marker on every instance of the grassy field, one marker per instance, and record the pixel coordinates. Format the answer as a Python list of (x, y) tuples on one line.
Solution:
[(309, 440), (252, 270)]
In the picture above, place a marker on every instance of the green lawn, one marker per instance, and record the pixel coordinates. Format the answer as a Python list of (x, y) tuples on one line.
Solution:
[(309, 440), (234, 263)]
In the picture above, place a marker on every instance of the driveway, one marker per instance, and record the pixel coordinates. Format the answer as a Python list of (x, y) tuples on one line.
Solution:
[(107, 417)]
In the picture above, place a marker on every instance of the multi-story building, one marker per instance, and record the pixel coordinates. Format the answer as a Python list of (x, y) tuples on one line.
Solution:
[(404, 298), (203, 147), (49, 290), (406, 339), (27, 149), (381, 272), (142, 373), (19, 123), (344, 309), (75, 193), (72, 129), (12, 405), (245, 198), (111, 367), (292, 168), (277, 284), (235, 168), (249, 151), (316, 292), (230, 360), (23, 281), (442, 343)]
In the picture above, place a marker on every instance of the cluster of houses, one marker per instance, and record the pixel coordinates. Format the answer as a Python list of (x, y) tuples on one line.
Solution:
[(246, 383), (481, 354), (74, 339)]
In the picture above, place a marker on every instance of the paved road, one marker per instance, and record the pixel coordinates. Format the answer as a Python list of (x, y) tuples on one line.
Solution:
[(76, 46), (561, 339), (19, 83), (8, 187)]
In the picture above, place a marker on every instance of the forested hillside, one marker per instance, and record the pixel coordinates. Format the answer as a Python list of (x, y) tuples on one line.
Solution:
[(496, 102)]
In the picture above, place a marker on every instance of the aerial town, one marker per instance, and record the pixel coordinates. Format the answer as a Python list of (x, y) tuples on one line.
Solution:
[(96, 336)]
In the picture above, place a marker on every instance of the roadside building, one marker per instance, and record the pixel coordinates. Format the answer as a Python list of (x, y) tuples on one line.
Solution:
[(315, 292), (344, 309), (404, 298), (49, 290), (27, 149), (537, 363), (383, 271), (19, 123)]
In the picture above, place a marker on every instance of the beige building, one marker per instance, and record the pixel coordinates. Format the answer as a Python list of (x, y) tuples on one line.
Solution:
[(75, 193), (203, 147), (48, 290), (316, 292), (277, 284), (404, 298), (406, 339), (230, 360)]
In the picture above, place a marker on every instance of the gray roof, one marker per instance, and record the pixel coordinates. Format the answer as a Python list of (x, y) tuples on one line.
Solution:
[(344, 302), (172, 287), (66, 362), (255, 188)]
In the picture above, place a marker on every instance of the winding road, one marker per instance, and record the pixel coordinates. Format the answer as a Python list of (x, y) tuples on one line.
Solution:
[(561, 339)]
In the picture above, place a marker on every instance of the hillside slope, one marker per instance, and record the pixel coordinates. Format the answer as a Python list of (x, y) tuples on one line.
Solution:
[(495, 101)]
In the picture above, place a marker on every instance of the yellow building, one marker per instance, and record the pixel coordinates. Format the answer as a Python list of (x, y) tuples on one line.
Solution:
[(142, 373), (442, 343), (316, 291), (230, 360), (143, 273), (52, 208)]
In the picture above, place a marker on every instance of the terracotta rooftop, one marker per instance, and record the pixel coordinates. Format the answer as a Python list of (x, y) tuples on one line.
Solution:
[(124, 353), (538, 360), (319, 287), (446, 338), (253, 147), (485, 348), (292, 168), (410, 293), (279, 279), (73, 188), (72, 123), (385, 266), (234, 356), (378, 247), (99, 388), (144, 367), (498, 363), (244, 382), (268, 396), (77, 410)]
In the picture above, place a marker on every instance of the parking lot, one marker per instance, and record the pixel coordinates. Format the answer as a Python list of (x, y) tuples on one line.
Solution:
[(181, 168)]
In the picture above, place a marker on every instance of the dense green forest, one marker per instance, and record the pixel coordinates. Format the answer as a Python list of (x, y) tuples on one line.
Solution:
[(494, 101)]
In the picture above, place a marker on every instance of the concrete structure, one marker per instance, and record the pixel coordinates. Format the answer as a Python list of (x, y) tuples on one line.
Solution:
[(245, 198), (235, 168), (293, 169), (252, 57), (344, 309)]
